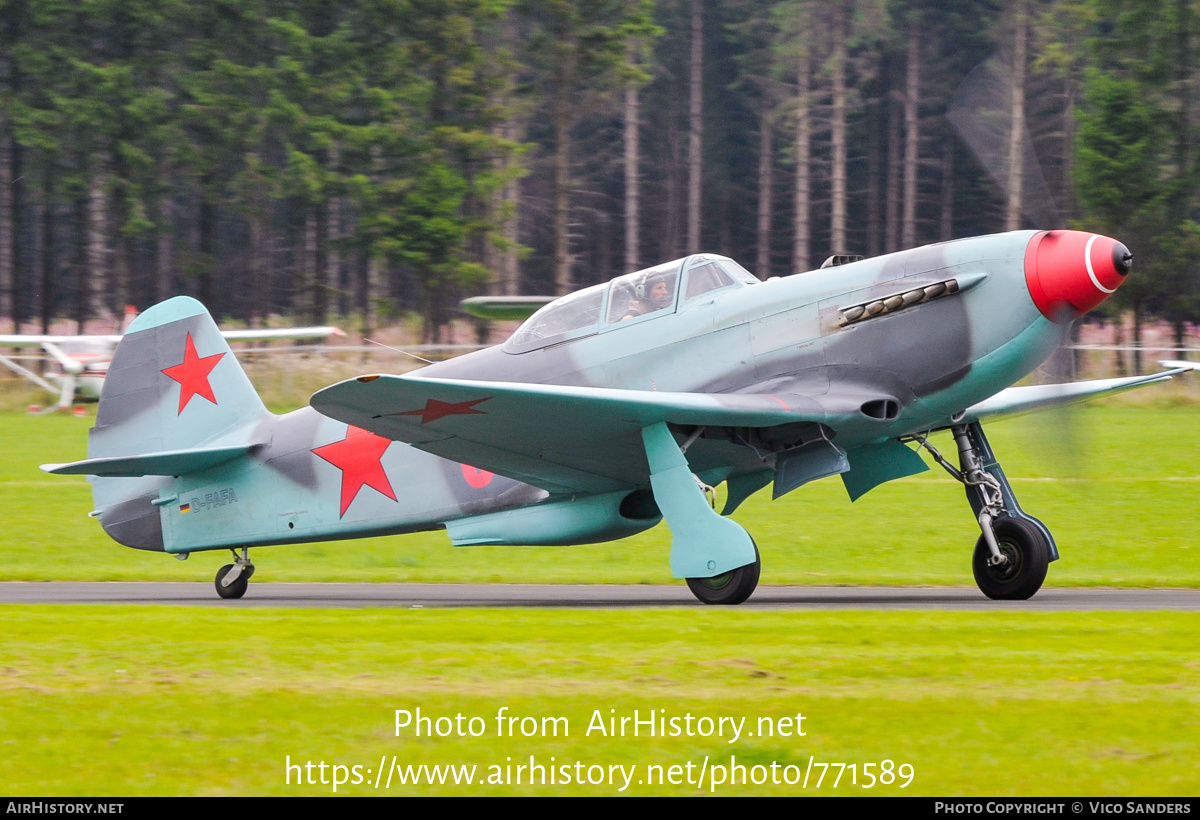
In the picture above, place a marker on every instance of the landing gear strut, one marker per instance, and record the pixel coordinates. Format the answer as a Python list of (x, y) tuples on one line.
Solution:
[(716, 556), (233, 579), (1014, 549)]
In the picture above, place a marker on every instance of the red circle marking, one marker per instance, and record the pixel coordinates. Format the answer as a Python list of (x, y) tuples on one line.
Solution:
[(476, 477)]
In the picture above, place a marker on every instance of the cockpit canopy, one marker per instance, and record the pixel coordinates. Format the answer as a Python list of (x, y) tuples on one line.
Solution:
[(635, 297)]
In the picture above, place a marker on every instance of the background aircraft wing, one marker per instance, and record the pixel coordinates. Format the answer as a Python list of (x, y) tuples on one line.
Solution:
[(281, 333), (563, 439), (504, 308), (1017, 400), (17, 340)]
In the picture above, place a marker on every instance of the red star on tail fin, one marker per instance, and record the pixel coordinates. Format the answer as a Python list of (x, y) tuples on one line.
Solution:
[(192, 374)]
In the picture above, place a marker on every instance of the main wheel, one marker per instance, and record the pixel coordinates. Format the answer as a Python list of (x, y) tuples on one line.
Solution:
[(1022, 574), (731, 587), (235, 590)]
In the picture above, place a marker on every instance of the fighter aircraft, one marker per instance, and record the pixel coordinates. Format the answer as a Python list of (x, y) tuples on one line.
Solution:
[(616, 407), (83, 361)]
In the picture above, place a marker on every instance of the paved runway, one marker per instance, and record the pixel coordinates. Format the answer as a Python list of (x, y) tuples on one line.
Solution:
[(593, 596)]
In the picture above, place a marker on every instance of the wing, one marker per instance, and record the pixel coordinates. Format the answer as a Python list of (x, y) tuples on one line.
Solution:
[(37, 341), (505, 308), (281, 333), (563, 439), (1017, 400)]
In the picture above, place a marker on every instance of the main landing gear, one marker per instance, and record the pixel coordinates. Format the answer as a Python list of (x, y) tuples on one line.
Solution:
[(1015, 549), (715, 555), (233, 579), (731, 587)]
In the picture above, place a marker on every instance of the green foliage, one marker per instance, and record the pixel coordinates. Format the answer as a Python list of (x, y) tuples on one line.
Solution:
[(1120, 142), (1136, 172)]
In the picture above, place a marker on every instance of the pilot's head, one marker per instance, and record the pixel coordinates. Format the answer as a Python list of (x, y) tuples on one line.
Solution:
[(653, 288)]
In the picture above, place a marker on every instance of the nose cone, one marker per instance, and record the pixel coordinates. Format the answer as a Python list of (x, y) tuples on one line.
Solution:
[(1070, 272)]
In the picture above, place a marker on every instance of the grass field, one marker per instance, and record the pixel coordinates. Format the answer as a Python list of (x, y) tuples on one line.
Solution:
[(1121, 494), (172, 700), (127, 700)]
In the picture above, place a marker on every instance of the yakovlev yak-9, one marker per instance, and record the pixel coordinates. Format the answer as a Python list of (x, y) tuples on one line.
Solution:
[(615, 407)]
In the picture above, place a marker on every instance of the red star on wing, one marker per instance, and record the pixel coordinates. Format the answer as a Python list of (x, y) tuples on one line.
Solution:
[(434, 409), (192, 374), (359, 456)]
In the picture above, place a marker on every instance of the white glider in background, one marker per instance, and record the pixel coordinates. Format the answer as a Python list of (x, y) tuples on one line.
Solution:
[(82, 361)]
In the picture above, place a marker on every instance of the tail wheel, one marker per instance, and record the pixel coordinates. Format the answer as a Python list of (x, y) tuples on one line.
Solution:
[(731, 587), (235, 590), (1028, 557)]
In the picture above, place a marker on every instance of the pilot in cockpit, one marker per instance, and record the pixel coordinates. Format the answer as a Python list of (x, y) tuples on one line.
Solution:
[(651, 293)]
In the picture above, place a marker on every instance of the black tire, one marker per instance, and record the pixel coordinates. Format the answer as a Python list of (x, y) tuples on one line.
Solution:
[(728, 588), (1028, 559), (235, 590)]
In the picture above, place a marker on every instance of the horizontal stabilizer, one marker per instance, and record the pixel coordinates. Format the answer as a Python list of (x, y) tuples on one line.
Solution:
[(1017, 400), (171, 462)]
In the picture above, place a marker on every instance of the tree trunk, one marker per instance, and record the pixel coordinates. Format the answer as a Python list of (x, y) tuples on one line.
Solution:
[(259, 305), (802, 235), (79, 306), (7, 257), (100, 287), (304, 303), (164, 247), (892, 228), (1183, 117), (874, 171), (20, 245), (372, 290), (122, 275), (670, 236), (947, 231), (1137, 338), (510, 276), (1015, 144), (372, 284), (333, 256), (46, 248), (206, 224), (632, 160), (560, 107), (912, 136), (765, 162), (1119, 342), (837, 227), (695, 127)]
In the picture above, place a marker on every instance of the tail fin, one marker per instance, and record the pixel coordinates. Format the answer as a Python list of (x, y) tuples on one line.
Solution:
[(173, 384), (175, 401)]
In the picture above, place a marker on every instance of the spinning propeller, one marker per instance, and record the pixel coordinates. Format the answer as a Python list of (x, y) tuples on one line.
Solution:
[(981, 113)]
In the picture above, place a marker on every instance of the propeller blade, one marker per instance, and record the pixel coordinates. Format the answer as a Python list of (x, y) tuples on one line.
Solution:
[(981, 113)]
